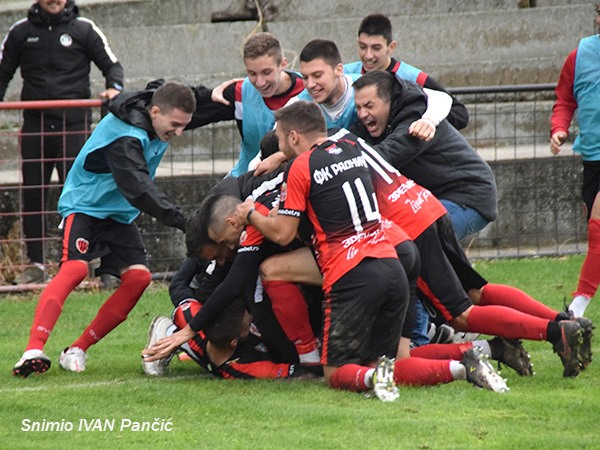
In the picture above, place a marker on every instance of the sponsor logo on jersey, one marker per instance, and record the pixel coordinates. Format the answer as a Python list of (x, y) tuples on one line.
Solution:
[(283, 191), (333, 149), (250, 248), (82, 245), (33, 39), (352, 252), (66, 40)]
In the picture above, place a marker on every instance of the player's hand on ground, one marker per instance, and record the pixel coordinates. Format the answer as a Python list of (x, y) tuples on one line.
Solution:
[(423, 129), (217, 93), (168, 345), (270, 163), (556, 141)]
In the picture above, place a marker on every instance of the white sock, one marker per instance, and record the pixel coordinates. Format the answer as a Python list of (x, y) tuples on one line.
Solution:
[(369, 378), (458, 371), (485, 347), (579, 304)]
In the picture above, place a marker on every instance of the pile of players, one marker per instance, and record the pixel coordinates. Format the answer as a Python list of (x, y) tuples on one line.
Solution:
[(322, 259)]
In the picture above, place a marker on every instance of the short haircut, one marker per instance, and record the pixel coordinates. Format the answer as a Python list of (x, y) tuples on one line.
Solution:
[(304, 117), (383, 80), (376, 25), (323, 49), (227, 326), (196, 235), (263, 44), (174, 95), (209, 216), (217, 208)]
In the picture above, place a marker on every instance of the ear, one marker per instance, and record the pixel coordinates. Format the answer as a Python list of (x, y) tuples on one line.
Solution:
[(154, 111), (293, 137), (339, 70), (393, 46), (284, 63), (230, 221), (233, 343)]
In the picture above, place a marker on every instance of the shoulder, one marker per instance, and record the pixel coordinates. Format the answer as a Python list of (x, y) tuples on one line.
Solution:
[(20, 27)]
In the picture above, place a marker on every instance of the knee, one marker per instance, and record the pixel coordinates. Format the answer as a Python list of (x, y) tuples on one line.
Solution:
[(136, 279)]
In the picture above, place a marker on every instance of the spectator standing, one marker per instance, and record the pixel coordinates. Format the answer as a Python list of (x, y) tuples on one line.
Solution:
[(53, 47)]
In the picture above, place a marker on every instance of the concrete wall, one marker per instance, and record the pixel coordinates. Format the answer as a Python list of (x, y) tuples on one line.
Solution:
[(539, 207), (458, 42)]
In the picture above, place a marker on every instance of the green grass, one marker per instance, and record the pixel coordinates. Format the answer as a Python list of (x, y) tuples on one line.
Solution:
[(545, 411)]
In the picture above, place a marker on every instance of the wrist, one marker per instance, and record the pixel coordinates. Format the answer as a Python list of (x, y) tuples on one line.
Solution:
[(250, 211)]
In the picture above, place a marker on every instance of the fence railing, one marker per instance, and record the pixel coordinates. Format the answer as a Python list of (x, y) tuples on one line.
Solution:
[(539, 212)]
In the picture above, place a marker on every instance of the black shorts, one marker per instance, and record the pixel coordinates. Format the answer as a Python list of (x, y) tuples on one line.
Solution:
[(444, 274), (591, 184), (363, 313), (118, 245)]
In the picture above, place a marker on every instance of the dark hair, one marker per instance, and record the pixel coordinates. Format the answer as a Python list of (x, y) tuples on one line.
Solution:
[(376, 25), (323, 49), (302, 116), (383, 80), (227, 325), (196, 234), (174, 95), (209, 216)]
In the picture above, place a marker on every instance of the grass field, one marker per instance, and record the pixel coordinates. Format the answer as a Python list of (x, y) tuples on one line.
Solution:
[(112, 404)]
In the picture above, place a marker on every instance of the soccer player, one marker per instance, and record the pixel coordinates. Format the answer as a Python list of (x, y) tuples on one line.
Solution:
[(214, 226), (578, 90), (375, 48), (365, 297), (375, 95), (229, 346), (110, 182), (252, 101)]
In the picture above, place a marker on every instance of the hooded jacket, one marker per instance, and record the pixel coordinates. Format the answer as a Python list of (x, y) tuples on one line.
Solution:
[(112, 177), (54, 54), (447, 165)]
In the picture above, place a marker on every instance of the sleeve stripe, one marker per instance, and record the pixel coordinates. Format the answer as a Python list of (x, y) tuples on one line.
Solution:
[(99, 32)]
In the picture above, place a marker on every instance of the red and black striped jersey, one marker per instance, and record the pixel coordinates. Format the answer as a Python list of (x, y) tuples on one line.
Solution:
[(251, 358), (331, 185), (400, 199)]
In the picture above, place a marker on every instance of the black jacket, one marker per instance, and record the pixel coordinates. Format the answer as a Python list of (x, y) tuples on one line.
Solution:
[(447, 165), (54, 54), (124, 159)]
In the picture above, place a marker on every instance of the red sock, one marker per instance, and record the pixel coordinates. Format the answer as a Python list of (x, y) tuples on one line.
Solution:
[(289, 306), (441, 351), (422, 372), (589, 278), (506, 322), (349, 377), (51, 302), (511, 297), (115, 308)]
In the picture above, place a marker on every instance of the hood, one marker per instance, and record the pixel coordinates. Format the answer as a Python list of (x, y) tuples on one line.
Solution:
[(132, 107), (38, 15)]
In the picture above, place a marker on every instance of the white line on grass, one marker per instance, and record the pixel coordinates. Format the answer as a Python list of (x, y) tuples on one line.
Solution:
[(99, 384)]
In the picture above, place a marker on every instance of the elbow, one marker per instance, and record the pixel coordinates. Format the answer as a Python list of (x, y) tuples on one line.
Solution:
[(283, 239)]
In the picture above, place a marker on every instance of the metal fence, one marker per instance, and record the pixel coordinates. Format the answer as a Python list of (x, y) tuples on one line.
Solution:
[(539, 212)]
